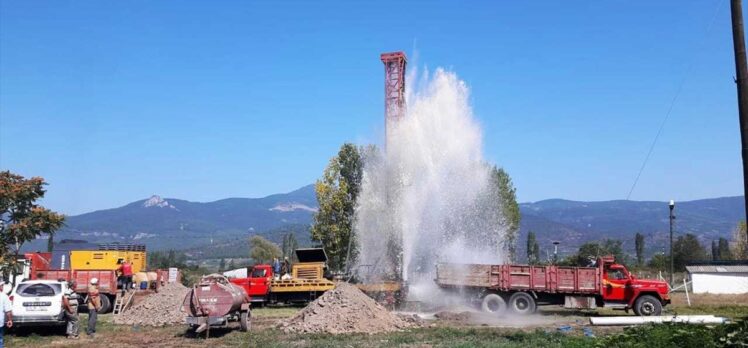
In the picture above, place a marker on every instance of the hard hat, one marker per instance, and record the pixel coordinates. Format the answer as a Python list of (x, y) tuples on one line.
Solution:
[(94, 281)]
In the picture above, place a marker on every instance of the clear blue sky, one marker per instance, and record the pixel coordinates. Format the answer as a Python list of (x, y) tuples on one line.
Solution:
[(114, 101)]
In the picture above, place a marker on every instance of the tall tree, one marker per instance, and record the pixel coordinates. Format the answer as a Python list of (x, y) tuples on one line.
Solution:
[(639, 246), (740, 242), (533, 249), (687, 249), (21, 218), (222, 265), (289, 246), (337, 192), (509, 207), (723, 246), (262, 250), (715, 251)]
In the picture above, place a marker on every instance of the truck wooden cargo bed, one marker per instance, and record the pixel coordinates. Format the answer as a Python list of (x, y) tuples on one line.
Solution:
[(550, 279)]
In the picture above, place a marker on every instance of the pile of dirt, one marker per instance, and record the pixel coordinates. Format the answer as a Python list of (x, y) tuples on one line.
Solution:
[(345, 309), (159, 309)]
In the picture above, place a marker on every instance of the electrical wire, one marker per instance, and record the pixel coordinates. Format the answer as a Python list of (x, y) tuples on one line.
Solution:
[(672, 102)]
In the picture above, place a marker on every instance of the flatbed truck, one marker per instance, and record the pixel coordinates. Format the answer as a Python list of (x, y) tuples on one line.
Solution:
[(522, 288)]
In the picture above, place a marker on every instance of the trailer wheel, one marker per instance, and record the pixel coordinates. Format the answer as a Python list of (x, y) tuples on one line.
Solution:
[(493, 303), (522, 303), (244, 323), (647, 305)]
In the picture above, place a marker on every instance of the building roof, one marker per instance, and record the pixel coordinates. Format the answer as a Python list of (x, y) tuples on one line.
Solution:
[(717, 269)]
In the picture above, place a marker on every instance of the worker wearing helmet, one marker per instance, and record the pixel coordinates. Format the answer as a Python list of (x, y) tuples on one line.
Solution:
[(94, 304)]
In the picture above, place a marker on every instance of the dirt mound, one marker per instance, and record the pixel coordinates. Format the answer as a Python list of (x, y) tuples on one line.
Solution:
[(161, 308), (344, 309)]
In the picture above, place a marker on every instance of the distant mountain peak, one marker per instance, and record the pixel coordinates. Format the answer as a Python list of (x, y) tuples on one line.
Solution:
[(288, 207), (158, 202)]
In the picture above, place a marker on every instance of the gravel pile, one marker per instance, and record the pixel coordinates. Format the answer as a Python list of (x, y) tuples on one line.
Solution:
[(345, 309), (159, 309)]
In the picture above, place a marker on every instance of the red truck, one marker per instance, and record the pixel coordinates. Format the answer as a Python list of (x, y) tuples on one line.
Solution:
[(307, 281), (522, 288), (39, 264)]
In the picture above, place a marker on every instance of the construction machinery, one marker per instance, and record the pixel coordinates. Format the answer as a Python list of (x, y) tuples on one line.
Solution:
[(307, 280)]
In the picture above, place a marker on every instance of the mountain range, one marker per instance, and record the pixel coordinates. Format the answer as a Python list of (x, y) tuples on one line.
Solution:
[(169, 223)]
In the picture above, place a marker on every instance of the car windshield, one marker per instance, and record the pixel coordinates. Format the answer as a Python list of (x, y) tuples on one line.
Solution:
[(38, 290), (258, 273)]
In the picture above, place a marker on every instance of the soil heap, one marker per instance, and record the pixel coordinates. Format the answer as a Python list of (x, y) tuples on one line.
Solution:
[(344, 309), (161, 308)]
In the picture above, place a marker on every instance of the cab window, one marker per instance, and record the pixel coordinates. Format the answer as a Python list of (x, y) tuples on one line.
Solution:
[(616, 274), (38, 290), (258, 273)]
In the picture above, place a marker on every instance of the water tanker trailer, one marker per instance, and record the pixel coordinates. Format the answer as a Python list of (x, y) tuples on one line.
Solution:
[(215, 301)]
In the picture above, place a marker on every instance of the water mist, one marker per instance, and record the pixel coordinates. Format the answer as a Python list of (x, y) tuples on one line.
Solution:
[(429, 196)]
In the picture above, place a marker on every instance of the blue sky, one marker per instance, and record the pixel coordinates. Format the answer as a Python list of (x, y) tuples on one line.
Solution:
[(114, 101)]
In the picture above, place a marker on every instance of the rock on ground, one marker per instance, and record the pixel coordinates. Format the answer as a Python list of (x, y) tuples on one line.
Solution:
[(161, 308), (344, 309)]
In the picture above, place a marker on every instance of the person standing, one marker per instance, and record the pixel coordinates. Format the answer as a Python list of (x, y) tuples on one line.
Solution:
[(125, 271), (94, 304), (70, 306), (286, 269), (6, 318), (276, 268)]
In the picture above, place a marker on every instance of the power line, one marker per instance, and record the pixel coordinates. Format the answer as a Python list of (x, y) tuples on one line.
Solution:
[(672, 102)]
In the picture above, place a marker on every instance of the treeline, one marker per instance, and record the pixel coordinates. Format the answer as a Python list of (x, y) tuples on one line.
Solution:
[(686, 249)]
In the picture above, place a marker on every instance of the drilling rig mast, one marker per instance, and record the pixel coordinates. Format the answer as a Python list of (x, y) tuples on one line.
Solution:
[(394, 89)]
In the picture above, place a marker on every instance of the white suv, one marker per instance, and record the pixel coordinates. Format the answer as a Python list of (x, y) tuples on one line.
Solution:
[(38, 302)]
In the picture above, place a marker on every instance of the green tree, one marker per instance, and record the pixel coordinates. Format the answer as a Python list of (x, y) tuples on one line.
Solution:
[(21, 218), (687, 249), (715, 251), (723, 246), (659, 261), (509, 207), (232, 266), (533, 249), (590, 251), (222, 265), (289, 246), (639, 246), (337, 192), (262, 250), (740, 242)]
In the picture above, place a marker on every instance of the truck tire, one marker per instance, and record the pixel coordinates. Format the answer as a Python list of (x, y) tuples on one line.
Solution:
[(244, 323), (647, 305), (522, 303), (494, 304), (106, 304)]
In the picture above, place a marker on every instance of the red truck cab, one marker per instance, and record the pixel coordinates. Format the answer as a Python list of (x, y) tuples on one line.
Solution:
[(621, 289), (257, 283)]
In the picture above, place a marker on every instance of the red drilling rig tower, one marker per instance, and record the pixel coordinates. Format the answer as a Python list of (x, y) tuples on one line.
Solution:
[(394, 88)]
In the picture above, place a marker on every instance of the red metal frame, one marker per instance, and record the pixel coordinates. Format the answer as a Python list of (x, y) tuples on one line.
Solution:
[(394, 87)]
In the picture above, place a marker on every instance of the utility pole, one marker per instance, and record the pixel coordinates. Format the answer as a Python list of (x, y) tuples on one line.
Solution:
[(741, 70), (672, 264)]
